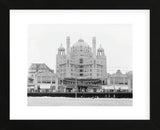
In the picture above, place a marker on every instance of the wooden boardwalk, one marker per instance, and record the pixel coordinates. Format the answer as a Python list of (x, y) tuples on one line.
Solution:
[(85, 94)]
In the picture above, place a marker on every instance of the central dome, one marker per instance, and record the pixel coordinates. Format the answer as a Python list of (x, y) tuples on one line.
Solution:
[(81, 42)]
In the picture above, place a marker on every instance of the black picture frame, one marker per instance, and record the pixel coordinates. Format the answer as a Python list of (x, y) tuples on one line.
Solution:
[(6, 123)]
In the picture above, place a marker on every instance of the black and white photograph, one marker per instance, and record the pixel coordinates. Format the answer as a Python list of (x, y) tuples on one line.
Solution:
[(80, 65)]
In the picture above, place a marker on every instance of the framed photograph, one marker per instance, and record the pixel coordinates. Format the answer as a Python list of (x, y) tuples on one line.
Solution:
[(79, 64)]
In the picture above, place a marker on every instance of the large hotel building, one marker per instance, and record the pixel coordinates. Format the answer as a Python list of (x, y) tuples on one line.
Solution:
[(80, 68)]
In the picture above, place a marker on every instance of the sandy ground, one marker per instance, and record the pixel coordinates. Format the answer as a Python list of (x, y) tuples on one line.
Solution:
[(64, 101)]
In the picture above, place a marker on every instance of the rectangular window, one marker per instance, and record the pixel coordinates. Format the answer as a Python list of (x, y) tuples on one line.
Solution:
[(48, 82)]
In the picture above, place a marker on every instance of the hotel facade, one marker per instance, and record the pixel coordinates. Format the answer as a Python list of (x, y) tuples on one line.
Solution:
[(81, 62)]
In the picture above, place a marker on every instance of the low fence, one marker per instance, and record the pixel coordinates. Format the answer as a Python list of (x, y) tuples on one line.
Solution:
[(85, 95)]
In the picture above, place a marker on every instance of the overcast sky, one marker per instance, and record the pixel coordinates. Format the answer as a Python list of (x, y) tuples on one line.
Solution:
[(116, 39)]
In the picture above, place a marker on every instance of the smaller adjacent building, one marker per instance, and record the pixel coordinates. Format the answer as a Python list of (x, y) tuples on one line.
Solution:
[(119, 81), (41, 78)]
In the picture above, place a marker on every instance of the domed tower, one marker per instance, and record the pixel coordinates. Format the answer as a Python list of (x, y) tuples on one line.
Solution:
[(60, 61), (101, 61), (100, 51), (61, 50)]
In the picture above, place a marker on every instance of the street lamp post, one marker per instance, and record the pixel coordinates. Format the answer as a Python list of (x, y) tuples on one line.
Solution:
[(76, 84)]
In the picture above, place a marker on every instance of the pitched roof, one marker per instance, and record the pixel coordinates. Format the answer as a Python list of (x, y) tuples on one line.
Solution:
[(39, 66)]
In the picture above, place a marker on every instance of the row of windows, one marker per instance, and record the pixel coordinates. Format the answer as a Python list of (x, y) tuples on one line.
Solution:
[(46, 82), (63, 64), (81, 74), (86, 63), (77, 54), (85, 50), (80, 69), (82, 66)]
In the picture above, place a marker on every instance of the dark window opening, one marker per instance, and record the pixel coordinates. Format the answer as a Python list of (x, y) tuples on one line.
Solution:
[(81, 74)]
